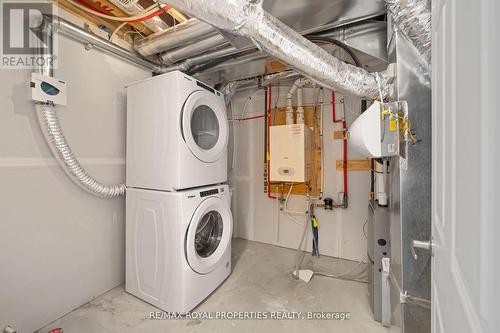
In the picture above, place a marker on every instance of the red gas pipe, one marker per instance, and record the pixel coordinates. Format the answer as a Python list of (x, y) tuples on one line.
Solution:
[(344, 126)]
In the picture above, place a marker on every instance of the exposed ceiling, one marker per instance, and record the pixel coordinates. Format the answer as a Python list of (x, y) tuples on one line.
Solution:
[(301, 15), (345, 20)]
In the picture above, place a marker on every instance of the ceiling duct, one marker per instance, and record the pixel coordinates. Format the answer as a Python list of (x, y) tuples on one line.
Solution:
[(201, 46), (192, 62), (179, 35), (413, 18), (248, 19)]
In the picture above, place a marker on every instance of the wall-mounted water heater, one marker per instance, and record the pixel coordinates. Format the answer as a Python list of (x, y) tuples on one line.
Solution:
[(375, 133), (290, 153)]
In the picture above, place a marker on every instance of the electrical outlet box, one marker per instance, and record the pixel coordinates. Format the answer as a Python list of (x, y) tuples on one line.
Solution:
[(48, 89), (290, 153)]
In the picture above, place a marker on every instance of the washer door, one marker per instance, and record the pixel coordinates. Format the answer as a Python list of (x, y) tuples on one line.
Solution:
[(208, 235), (205, 126)]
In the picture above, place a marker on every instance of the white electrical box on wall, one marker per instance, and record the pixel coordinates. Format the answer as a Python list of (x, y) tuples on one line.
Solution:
[(48, 89), (290, 153)]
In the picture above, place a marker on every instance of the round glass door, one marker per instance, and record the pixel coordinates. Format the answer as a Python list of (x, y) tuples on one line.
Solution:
[(208, 235), (205, 126)]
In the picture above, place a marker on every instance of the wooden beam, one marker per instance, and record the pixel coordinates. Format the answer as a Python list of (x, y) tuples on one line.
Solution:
[(275, 66), (86, 17), (354, 165), (177, 15), (94, 19)]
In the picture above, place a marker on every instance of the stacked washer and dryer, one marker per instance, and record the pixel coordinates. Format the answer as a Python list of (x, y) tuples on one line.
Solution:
[(178, 220)]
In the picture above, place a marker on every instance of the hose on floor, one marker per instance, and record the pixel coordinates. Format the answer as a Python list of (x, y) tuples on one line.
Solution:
[(350, 275)]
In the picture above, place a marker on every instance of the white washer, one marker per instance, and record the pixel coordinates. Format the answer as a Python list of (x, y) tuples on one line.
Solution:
[(178, 245), (177, 133)]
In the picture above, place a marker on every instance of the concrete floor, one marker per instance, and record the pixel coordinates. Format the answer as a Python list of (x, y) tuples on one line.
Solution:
[(261, 281)]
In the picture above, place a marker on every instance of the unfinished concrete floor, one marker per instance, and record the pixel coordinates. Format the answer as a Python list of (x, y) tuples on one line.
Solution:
[(261, 281)]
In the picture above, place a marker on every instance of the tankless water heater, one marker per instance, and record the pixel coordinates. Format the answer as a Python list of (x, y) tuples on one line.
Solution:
[(290, 153)]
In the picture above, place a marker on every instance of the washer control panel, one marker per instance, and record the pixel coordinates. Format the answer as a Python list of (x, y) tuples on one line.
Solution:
[(209, 192)]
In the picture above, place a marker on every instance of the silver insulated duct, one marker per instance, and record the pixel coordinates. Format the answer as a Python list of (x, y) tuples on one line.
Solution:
[(182, 34), (413, 18), (53, 133), (244, 18), (181, 53)]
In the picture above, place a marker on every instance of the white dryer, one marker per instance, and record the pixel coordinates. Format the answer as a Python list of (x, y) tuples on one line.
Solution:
[(177, 133), (178, 245)]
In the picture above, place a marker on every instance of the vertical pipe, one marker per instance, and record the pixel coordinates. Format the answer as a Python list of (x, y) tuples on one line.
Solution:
[(322, 101), (265, 127), (46, 34), (266, 175), (344, 127), (372, 178), (333, 107), (269, 109), (345, 164), (300, 106)]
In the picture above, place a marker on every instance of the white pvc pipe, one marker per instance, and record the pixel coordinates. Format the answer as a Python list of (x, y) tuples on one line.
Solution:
[(300, 106), (297, 86)]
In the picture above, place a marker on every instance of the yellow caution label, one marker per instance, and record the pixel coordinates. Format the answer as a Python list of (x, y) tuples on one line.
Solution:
[(392, 125)]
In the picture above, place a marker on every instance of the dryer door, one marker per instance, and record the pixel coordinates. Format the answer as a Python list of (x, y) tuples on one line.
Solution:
[(208, 235), (205, 126)]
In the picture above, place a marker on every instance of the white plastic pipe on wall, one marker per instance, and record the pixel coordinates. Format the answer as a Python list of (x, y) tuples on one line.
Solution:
[(300, 106), (297, 86), (300, 101), (245, 18)]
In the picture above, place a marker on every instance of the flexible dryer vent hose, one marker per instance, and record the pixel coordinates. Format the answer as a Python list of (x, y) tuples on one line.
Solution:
[(53, 133)]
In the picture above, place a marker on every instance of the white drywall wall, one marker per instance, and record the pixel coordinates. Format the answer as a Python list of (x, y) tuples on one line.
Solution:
[(60, 246), (258, 218)]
